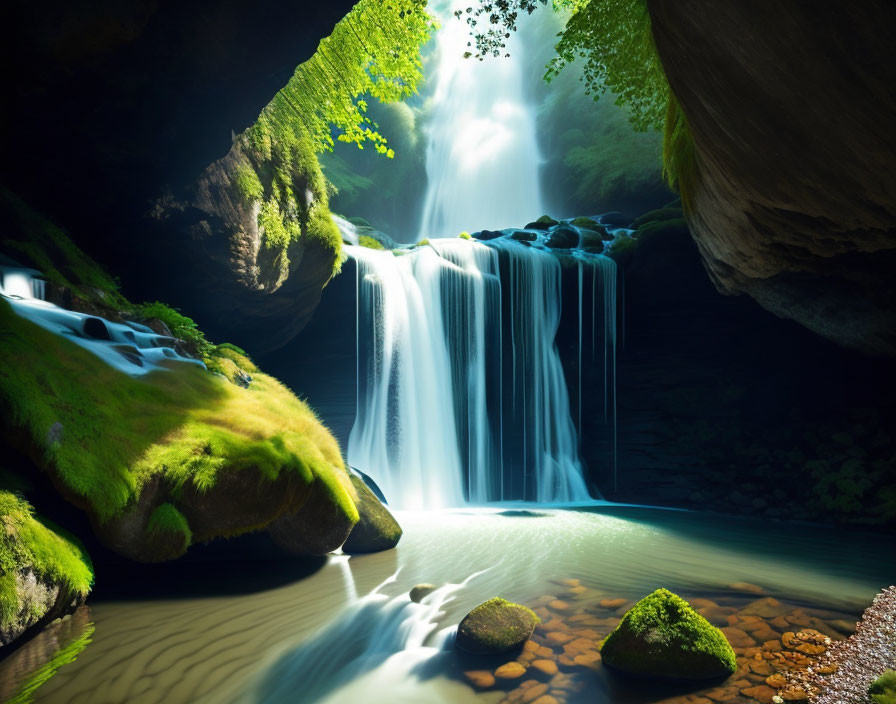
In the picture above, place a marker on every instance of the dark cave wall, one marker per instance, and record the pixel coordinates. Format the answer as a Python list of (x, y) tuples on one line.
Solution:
[(792, 111), (111, 104), (722, 406)]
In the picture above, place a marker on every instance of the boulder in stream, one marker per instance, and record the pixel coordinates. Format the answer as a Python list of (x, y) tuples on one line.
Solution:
[(495, 627), (376, 528), (663, 638)]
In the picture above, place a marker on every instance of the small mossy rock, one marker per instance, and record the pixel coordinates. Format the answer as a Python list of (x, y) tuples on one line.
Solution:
[(563, 237), (421, 591), (659, 215), (586, 223), (662, 637), (545, 222), (883, 689), (593, 240), (376, 528), (495, 627), (488, 235), (524, 236)]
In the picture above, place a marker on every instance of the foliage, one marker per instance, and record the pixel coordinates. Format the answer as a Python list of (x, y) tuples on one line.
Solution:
[(422, 243), (465, 236), (182, 423), (389, 192), (374, 50), (883, 689), (614, 41), (27, 542), (662, 636), (369, 242), (180, 325)]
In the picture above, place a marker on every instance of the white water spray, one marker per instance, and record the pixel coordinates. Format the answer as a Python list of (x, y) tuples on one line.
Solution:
[(482, 160), (375, 652)]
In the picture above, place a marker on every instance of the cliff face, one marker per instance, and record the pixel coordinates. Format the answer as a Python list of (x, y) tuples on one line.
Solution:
[(792, 111)]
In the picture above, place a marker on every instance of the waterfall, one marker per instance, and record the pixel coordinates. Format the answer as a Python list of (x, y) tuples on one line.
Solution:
[(482, 158), (462, 397), (425, 382)]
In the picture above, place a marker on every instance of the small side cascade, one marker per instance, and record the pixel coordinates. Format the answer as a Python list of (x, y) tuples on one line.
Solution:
[(130, 347)]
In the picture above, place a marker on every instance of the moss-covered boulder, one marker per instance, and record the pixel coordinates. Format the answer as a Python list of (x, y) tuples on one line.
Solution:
[(662, 637), (376, 529), (545, 222), (563, 236), (495, 627), (176, 456), (883, 689), (44, 572)]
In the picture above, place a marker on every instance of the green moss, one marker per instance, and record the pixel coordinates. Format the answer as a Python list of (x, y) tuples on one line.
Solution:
[(180, 325), (248, 184), (65, 655), (369, 242), (181, 423), (422, 243), (679, 154), (588, 223), (547, 220), (33, 239), (663, 637), (496, 626), (29, 543), (167, 519), (883, 689), (465, 236), (659, 215), (235, 355)]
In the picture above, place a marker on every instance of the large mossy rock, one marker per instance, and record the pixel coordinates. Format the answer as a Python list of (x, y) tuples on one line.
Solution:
[(44, 572), (172, 457), (662, 637), (495, 627), (376, 529)]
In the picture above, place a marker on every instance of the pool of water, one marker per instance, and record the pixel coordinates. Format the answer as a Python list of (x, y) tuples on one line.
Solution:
[(254, 638)]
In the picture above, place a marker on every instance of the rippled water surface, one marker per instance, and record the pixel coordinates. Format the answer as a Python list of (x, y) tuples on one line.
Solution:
[(259, 637)]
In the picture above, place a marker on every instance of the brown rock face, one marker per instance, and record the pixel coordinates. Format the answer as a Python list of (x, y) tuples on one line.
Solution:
[(792, 111)]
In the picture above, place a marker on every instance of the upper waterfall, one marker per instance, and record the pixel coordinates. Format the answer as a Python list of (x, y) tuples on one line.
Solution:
[(482, 160)]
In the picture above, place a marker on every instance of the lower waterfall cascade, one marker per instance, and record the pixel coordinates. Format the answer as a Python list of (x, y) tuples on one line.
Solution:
[(500, 426)]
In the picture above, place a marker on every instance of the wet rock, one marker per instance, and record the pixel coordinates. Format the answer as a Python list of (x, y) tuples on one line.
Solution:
[(547, 667), (480, 679), (96, 328), (494, 627), (421, 591), (376, 529), (662, 637), (545, 222), (524, 236), (488, 235), (563, 237), (510, 671)]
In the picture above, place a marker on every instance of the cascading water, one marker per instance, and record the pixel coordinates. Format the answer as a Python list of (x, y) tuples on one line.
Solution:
[(462, 396), (482, 159)]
